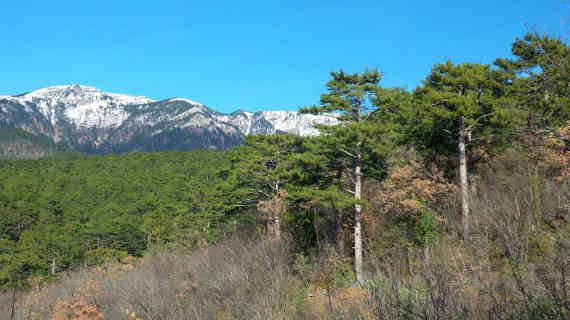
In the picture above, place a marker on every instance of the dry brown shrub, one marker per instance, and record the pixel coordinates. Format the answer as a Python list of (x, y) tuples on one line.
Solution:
[(74, 293), (272, 209), (557, 154), (513, 266), (275, 205), (236, 279), (409, 189), (349, 303), (76, 310)]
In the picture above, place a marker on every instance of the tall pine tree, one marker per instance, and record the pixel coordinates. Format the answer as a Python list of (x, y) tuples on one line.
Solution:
[(357, 145), (456, 103)]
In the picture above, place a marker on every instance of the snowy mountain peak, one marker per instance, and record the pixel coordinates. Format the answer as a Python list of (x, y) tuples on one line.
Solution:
[(84, 106), (81, 94), (92, 120)]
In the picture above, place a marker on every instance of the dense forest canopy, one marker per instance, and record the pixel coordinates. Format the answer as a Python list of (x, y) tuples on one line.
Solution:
[(61, 212), (401, 172)]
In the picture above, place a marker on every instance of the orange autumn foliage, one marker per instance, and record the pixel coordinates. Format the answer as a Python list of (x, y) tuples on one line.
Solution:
[(409, 189), (557, 154)]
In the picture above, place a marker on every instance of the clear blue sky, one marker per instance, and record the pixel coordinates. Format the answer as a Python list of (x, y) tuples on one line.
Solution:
[(252, 54)]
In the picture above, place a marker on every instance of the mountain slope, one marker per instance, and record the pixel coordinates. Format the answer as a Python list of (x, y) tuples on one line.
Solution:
[(90, 120), (17, 143)]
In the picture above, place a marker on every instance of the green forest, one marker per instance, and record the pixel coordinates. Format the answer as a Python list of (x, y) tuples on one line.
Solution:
[(463, 180)]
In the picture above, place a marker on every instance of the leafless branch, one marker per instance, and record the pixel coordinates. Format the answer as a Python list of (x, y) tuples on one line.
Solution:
[(349, 191)]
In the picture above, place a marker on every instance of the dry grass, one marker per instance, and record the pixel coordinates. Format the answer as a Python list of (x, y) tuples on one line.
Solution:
[(238, 279)]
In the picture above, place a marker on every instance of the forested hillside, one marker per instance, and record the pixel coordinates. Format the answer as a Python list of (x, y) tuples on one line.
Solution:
[(69, 211), (450, 201)]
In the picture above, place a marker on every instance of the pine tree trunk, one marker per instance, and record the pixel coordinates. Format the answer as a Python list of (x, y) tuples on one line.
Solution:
[(357, 224), (13, 308), (276, 217), (53, 264), (339, 231), (463, 177), (471, 166), (277, 227), (427, 256), (339, 242)]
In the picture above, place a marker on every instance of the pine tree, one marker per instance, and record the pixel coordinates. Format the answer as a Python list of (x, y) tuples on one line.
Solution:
[(357, 146), (540, 95), (456, 103), (260, 170), (540, 91)]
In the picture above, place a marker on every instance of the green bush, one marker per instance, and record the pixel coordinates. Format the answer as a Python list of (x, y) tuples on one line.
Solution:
[(425, 228)]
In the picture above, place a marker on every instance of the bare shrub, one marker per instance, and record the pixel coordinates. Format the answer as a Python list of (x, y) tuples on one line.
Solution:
[(526, 218), (514, 264), (434, 292), (40, 302), (236, 279)]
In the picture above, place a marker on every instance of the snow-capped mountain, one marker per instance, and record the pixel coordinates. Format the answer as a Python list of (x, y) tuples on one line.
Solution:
[(82, 105), (93, 121), (271, 122)]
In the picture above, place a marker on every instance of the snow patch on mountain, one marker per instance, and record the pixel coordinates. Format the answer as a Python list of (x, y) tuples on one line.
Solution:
[(297, 123), (197, 108), (239, 119), (28, 107), (84, 106), (184, 100), (271, 122), (76, 93)]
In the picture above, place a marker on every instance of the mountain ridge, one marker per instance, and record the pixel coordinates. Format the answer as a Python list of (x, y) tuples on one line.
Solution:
[(94, 121)]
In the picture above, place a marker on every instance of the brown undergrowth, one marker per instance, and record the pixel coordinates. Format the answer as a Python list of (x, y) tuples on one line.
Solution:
[(72, 296)]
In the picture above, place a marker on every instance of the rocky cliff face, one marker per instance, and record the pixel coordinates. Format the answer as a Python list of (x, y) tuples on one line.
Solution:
[(93, 121)]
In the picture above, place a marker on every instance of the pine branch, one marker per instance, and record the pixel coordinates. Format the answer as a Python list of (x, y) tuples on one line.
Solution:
[(348, 174), (348, 153), (479, 119)]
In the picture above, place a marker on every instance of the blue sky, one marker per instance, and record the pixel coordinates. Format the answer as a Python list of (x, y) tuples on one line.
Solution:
[(252, 54)]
